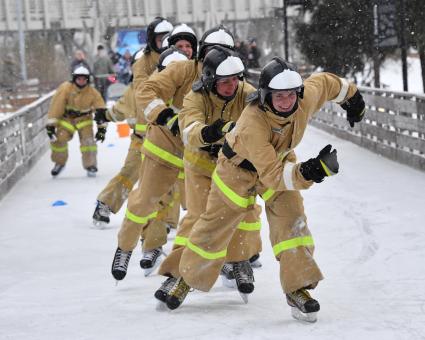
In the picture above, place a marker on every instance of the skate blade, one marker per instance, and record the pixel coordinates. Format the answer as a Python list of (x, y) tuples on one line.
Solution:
[(149, 271), (256, 264), (99, 224), (228, 283), (244, 297), (306, 317), (161, 306), (116, 282), (91, 174)]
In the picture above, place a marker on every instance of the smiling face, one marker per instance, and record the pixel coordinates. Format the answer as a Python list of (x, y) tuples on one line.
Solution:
[(284, 101), (185, 47), (227, 87)]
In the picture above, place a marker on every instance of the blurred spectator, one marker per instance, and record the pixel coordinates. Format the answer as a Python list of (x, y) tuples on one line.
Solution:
[(79, 59), (124, 68), (242, 50), (254, 54), (102, 69)]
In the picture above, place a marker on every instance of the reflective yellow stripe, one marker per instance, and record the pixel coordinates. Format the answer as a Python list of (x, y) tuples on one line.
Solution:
[(196, 160), (180, 240), (141, 127), (83, 124), (171, 121), (267, 194), (249, 226), (293, 243), (181, 175), (138, 219), (67, 125), (327, 171), (205, 254), (59, 148), (88, 148), (165, 155), (231, 195)]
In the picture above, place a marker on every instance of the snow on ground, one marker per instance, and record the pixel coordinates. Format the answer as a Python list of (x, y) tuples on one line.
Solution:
[(368, 225)]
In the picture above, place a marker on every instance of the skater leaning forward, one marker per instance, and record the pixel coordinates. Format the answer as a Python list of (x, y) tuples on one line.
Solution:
[(209, 111), (71, 110), (162, 164), (258, 158)]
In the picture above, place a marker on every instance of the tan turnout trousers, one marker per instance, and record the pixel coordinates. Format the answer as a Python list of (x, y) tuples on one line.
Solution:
[(66, 127), (211, 235), (245, 242)]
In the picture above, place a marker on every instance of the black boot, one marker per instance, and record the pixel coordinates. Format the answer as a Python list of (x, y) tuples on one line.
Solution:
[(57, 169)]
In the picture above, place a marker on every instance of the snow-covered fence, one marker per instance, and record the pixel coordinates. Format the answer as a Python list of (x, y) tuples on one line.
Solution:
[(394, 125), (22, 141)]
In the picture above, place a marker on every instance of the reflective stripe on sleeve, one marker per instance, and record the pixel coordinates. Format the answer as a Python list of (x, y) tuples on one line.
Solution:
[(153, 104), (163, 154), (141, 127), (287, 175), (343, 92), (231, 195), (186, 131), (267, 194), (302, 241)]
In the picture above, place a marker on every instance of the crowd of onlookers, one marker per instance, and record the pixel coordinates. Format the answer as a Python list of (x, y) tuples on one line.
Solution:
[(249, 52), (109, 67), (106, 69)]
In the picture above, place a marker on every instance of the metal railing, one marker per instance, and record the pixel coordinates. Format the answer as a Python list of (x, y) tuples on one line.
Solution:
[(394, 124), (23, 141)]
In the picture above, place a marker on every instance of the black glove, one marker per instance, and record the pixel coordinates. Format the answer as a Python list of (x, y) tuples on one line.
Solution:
[(100, 116), (164, 116), (51, 132), (214, 132), (355, 107), (100, 134), (326, 164), (173, 125)]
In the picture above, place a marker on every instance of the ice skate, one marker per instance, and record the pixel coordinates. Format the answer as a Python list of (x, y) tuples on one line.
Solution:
[(151, 260), (162, 292), (91, 171), (177, 294), (303, 306), (227, 276), (57, 169), (120, 264), (244, 278), (255, 261), (101, 215)]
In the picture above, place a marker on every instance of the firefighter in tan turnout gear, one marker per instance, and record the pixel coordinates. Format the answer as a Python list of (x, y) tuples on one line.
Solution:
[(162, 150), (145, 62), (116, 192), (71, 110), (209, 111), (258, 158)]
